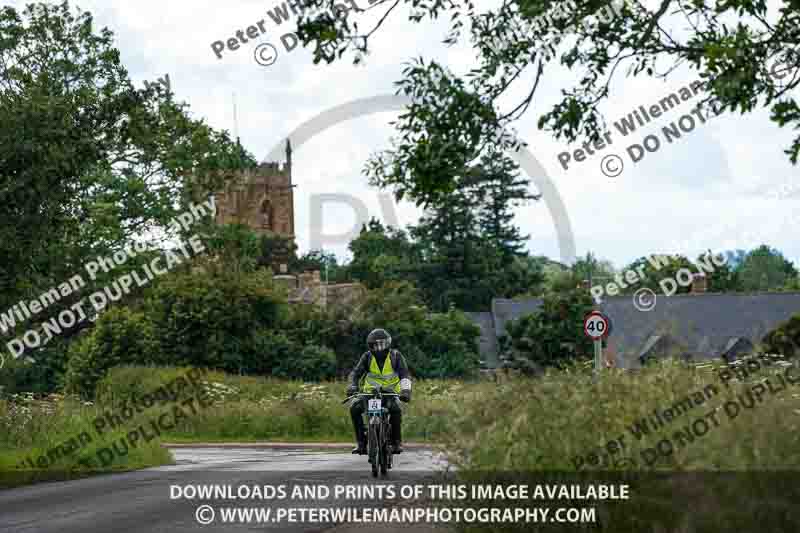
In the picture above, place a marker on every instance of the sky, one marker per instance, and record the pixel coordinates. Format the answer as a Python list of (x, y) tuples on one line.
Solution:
[(724, 184)]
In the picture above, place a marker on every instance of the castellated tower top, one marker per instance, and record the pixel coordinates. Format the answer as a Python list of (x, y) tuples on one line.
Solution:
[(261, 198)]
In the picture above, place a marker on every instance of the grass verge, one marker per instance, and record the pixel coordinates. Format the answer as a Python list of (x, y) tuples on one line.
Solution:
[(41, 438), (249, 409), (738, 474), (33, 433)]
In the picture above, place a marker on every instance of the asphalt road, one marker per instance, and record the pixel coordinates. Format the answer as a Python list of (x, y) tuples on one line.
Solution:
[(143, 501)]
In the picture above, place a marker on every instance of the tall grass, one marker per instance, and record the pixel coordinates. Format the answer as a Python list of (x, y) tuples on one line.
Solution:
[(243, 409), (740, 475), (248, 409), (546, 423), (31, 427), (517, 425)]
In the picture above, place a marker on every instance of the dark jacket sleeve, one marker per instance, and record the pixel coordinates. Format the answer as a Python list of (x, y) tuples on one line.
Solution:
[(359, 370), (400, 366)]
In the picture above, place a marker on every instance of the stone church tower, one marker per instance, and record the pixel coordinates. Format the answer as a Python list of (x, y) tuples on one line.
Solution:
[(262, 198)]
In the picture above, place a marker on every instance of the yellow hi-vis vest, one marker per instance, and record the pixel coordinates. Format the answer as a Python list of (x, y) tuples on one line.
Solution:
[(380, 378)]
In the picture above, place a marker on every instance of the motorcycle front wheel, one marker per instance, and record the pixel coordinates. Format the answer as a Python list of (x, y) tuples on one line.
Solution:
[(386, 452), (372, 446)]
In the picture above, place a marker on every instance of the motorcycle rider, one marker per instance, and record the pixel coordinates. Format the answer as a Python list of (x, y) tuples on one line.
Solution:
[(379, 366)]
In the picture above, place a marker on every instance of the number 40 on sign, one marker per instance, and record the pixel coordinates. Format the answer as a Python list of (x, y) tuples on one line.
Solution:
[(596, 325)]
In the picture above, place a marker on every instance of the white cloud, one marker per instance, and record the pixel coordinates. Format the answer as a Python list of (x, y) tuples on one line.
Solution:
[(682, 190)]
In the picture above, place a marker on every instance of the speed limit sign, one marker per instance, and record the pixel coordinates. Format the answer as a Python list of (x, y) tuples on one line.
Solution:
[(596, 325)]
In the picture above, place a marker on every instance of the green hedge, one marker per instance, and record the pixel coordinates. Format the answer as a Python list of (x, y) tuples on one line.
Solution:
[(44, 375), (213, 321), (784, 339), (120, 336), (239, 324), (310, 363), (551, 336), (436, 345), (188, 319)]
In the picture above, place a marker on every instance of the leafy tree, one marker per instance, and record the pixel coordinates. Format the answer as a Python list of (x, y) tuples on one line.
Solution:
[(309, 363), (444, 346), (120, 336), (235, 247), (657, 267), (521, 276), (735, 257), (311, 324), (724, 277), (382, 254), (765, 269), (471, 247), (556, 277), (550, 336), (277, 250), (784, 339), (393, 302), (519, 42), (436, 345), (88, 163), (499, 189), (462, 253), (45, 375), (210, 320), (596, 271), (457, 256), (792, 284), (326, 263)]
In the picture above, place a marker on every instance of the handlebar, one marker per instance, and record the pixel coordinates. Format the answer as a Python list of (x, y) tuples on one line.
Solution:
[(370, 394)]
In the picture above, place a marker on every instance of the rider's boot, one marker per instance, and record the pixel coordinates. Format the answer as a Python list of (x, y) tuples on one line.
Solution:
[(361, 449), (361, 436), (397, 441)]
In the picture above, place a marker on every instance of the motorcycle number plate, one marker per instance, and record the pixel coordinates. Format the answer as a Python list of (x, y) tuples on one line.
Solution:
[(374, 406)]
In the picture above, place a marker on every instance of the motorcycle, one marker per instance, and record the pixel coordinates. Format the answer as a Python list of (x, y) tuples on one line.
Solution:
[(379, 429)]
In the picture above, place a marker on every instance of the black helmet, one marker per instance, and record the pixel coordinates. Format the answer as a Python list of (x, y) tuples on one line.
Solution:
[(379, 341)]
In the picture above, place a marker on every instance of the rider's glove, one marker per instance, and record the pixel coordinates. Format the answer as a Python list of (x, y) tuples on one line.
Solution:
[(405, 395), (351, 390)]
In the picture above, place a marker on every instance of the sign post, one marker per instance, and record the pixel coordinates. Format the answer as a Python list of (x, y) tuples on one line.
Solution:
[(597, 327), (598, 355)]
